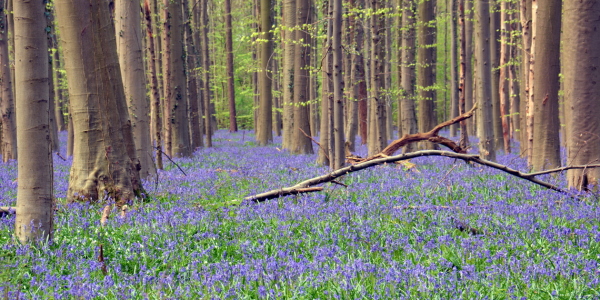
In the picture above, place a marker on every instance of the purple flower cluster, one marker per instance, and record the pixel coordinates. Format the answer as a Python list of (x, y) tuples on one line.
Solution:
[(443, 229)]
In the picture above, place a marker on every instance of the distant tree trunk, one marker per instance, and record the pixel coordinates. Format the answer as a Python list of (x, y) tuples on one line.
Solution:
[(409, 120), (129, 48), (277, 120), (485, 129), (206, 93), (515, 87), (57, 78), (495, 60), (104, 151), (302, 143), (167, 70), (350, 82), (504, 78), (525, 16), (7, 102), (464, 137), (35, 206), (289, 21), (338, 88), (361, 81), (230, 74), (453, 65), (469, 82), (546, 142), (582, 91), (324, 157), (425, 69), (154, 93), (52, 98), (264, 134)]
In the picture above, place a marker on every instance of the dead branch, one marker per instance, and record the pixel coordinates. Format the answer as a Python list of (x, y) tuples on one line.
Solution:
[(302, 186), (431, 136), (7, 210)]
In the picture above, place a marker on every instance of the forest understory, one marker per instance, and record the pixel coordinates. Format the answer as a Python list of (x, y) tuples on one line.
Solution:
[(433, 228)]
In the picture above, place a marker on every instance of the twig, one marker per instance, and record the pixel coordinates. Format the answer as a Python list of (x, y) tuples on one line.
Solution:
[(318, 144), (101, 261), (7, 210), (178, 167), (339, 183), (60, 156)]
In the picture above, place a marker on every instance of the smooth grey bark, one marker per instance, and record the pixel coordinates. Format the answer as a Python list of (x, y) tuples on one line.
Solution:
[(546, 142), (409, 119), (35, 191), (338, 88), (581, 89), (453, 65)]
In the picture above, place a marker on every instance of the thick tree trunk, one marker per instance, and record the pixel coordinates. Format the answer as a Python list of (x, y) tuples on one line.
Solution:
[(7, 102), (302, 143), (264, 134), (582, 91), (530, 81), (193, 96), (504, 80), (425, 69), (167, 70), (546, 142), (34, 219), (525, 16), (495, 62), (350, 82), (104, 152), (485, 129), (129, 48)]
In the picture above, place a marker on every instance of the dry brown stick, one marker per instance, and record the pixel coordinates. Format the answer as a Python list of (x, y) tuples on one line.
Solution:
[(371, 163), (7, 210), (318, 144)]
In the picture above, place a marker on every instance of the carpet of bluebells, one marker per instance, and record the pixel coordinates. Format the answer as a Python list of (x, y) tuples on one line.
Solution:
[(442, 229)]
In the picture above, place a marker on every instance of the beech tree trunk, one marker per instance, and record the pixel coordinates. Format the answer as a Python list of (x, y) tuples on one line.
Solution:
[(546, 142), (206, 92), (338, 88), (425, 69), (289, 21), (302, 143), (581, 88), (454, 65), (35, 194), (264, 135), (468, 89), (409, 120), (230, 75), (129, 48), (104, 163), (485, 129), (7, 102), (504, 78)]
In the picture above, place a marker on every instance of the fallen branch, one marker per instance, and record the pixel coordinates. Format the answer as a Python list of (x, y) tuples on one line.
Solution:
[(431, 136), (302, 186), (7, 210), (178, 167)]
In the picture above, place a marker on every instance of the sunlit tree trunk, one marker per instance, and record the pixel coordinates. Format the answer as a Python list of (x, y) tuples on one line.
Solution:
[(338, 88), (464, 136), (191, 58), (425, 69), (504, 78), (495, 83), (530, 81), (546, 142), (35, 210), (104, 152), (289, 21), (468, 48), (129, 48), (582, 91)]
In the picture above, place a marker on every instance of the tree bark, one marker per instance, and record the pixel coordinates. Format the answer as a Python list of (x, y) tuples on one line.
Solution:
[(129, 48), (504, 80), (409, 120), (581, 89), (34, 219), (7, 102), (454, 65), (530, 81), (425, 69), (377, 132), (104, 152), (338, 88), (230, 75), (485, 129), (546, 142), (301, 144), (464, 136), (288, 21), (264, 134), (469, 80), (206, 92), (495, 84)]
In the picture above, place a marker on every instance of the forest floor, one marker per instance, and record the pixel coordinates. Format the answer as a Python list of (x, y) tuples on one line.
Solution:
[(442, 229)]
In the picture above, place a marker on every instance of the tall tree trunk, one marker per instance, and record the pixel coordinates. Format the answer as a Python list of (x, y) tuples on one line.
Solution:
[(338, 88), (129, 48), (582, 91), (464, 136), (485, 129), (35, 194), (350, 82), (191, 57), (206, 92), (469, 80), (495, 60), (525, 16), (361, 80), (264, 134), (409, 120), (289, 21), (530, 81), (504, 78), (302, 143), (154, 92), (230, 75), (454, 65), (7, 102), (425, 69), (546, 142), (167, 70), (104, 151)]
